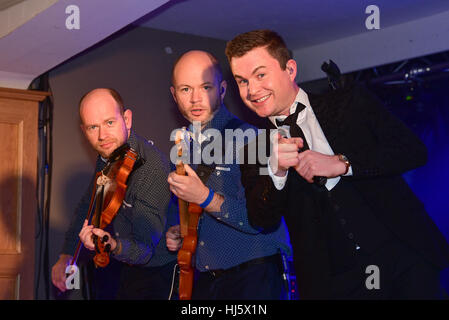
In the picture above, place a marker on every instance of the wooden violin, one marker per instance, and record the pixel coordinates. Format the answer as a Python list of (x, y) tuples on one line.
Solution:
[(189, 214), (107, 196)]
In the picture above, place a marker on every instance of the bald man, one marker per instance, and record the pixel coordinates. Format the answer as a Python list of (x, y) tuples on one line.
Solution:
[(137, 233), (234, 260)]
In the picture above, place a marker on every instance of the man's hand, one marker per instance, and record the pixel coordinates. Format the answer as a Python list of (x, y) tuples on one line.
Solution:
[(86, 236), (312, 163), (285, 154), (188, 188), (173, 238), (58, 276)]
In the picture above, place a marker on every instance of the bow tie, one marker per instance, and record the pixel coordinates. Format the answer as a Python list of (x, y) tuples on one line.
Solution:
[(291, 119), (296, 131)]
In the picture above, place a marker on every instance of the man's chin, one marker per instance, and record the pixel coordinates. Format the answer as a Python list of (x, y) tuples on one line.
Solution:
[(262, 113), (105, 153), (203, 119)]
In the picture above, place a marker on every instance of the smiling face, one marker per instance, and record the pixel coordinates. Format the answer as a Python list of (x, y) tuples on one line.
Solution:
[(104, 126), (264, 86), (197, 86)]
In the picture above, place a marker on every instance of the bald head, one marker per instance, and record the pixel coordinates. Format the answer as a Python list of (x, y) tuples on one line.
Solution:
[(195, 57), (102, 94), (198, 87), (103, 121)]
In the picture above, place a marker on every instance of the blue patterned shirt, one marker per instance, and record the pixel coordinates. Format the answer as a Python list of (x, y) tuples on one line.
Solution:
[(225, 238)]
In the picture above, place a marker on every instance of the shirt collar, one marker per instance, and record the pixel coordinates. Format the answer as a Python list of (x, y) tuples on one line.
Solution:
[(301, 97)]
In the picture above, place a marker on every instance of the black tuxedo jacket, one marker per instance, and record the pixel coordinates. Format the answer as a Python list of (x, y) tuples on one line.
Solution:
[(380, 148)]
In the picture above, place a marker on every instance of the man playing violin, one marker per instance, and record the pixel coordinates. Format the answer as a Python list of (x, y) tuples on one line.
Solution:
[(234, 260), (135, 236)]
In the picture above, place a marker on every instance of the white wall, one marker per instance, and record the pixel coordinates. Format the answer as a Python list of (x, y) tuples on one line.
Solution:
[(376, 47)]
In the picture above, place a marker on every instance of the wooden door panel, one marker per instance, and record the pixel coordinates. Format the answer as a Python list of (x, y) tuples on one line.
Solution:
[(18, 203), (9, 177)]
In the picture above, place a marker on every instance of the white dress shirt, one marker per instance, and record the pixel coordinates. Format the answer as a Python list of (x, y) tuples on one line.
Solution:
[(314, 135)]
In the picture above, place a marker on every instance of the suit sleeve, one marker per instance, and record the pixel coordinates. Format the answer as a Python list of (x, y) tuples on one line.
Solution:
[(265, 204)]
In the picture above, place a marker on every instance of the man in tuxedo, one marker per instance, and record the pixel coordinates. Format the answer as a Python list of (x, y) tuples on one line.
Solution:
[(356, 228)]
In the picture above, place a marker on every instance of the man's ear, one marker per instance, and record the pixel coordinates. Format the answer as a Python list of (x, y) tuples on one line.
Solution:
[(223, 87), (128, 116), (291, 68), (172, 90)]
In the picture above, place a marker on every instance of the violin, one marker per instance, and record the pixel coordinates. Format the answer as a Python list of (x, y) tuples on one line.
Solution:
[(107, 196), (189, 214)]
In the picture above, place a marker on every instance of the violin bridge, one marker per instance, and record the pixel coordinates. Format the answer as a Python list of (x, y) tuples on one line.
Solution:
[(103, 180)]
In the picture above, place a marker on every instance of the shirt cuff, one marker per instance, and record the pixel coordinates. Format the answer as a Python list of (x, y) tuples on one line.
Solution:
[(349, 173), (279, 182)]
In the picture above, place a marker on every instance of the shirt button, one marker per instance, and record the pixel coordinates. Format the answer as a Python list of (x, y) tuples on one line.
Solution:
[(201, 173), (351, 236), (201, 243), (206, 267), (336, 207), (241, 223), (226, 215), (342, 222)]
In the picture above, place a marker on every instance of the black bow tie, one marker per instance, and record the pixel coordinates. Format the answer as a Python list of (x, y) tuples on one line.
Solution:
[(291, 119), (295, 131)]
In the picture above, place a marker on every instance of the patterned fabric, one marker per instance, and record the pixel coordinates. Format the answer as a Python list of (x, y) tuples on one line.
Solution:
[(146, 214), (225, 238)]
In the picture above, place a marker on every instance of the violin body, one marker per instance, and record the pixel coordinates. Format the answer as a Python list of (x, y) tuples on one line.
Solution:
[(186, 254), (189, 214), (107, 197)]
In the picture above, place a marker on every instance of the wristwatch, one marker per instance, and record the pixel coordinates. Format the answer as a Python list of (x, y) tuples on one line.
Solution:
[(344, 159)]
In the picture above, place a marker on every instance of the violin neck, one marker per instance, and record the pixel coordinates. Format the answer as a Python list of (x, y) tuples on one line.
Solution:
[(180, 169), (98, 208)]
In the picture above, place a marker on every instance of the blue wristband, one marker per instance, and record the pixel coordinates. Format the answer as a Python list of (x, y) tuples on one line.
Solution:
[(208, 199)]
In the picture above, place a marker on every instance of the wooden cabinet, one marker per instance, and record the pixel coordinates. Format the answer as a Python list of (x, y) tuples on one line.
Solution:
[(18, 200)]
